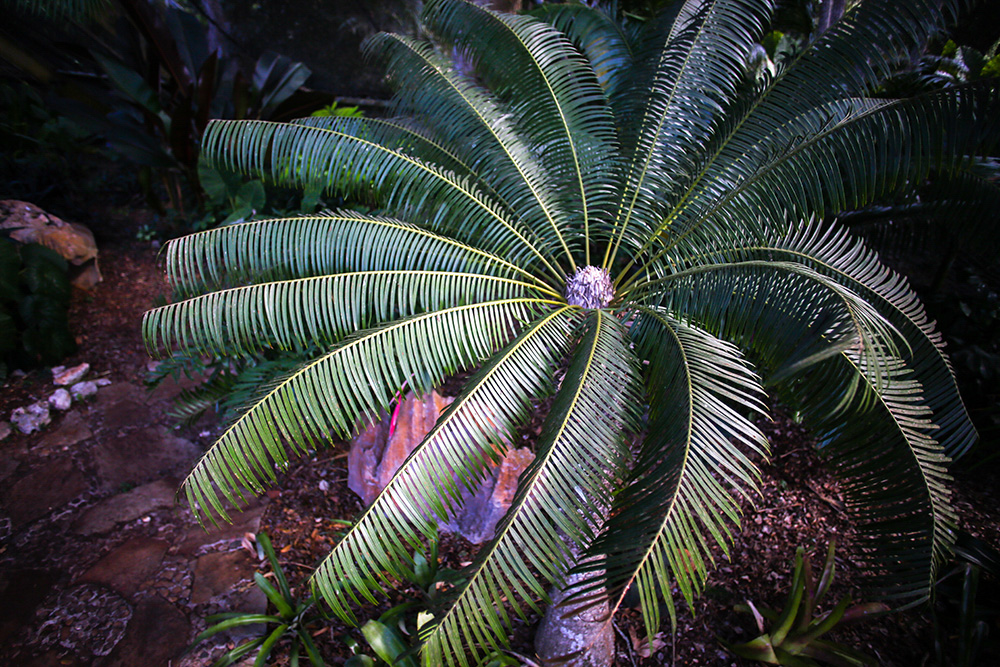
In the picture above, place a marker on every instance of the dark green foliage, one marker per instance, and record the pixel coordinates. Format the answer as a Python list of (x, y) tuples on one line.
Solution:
[(965, 609), (34, 299), (795, 630), (291, 623)]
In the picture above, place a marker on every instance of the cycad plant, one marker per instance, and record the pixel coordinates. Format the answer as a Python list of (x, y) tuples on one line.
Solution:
[(640, 223)]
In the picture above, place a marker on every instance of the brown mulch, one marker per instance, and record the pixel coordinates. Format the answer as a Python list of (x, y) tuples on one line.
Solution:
[(800, 505)]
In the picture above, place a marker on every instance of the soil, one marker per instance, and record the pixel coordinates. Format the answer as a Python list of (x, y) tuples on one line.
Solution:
[(800, 505)]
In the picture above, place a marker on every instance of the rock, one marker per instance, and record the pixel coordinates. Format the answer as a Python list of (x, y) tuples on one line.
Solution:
[(247, 521), (102, 382), (479, 514), (122, 406), (5, 430), (83, 390), (32, 418), (61, 400), (8, 465), (374, 456), (127, 567), (47, 488), (124, 507), (73, 430), (157, 634), (250, 601), (218, 573), (71, 240), (67, 376), (139, 456)]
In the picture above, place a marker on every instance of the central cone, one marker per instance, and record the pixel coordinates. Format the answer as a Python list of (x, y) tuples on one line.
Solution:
[(590, 287)]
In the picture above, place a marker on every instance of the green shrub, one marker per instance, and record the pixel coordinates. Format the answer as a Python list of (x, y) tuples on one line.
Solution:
[(34, 300)]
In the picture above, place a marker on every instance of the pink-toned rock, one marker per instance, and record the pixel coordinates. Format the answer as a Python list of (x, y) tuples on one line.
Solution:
[(73, 241), (375, 457), (479, 514), (68, 376), (31, 418)]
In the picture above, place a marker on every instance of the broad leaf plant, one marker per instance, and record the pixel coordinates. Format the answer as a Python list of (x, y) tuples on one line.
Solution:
[(640, 223)]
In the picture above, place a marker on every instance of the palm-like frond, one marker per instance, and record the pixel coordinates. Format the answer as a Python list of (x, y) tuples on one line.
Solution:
[(539, 210), (551, 92), (303, 247), (561, 497), (298, 155), (698, 386), (471, 432), (352, 383)]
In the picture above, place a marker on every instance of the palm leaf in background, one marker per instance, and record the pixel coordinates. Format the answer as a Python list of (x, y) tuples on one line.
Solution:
[(648, 215)]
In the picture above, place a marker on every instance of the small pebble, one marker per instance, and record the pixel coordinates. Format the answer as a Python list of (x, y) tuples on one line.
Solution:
[(32, 418), (61, 400), (82, 390), (70, 375)]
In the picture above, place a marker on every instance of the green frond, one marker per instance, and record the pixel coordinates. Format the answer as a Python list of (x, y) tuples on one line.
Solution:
[(397, 133), (299, 155), (833, 253), (847, 61), (323, 244), (552, 95), (718, 296), (560, 501), (71, 10), (314, 312), (692, 461), (840, 156), (473, 431), (608, 44), (953, 212), (470, 118), (702, 70), (893, 473), (862, 403), (328, 396)]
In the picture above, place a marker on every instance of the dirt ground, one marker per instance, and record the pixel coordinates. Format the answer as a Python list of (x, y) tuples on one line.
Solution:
[(800, 505)]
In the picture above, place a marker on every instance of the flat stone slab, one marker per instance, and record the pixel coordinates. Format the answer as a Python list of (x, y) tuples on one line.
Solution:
[(127, 567), (43, 490), (126, 414), (72, 431), (124, 507), (156, 635), (218, 573), (247, 521), (142, 455), (8, 465)]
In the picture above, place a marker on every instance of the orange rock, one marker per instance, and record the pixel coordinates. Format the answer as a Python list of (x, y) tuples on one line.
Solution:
[(74, 242), (375, 457)]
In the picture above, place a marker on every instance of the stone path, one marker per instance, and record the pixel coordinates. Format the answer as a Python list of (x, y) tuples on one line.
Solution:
[(98, 563)]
